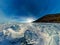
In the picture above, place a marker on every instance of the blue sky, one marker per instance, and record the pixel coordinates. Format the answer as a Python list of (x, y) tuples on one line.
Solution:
[(21, 10)]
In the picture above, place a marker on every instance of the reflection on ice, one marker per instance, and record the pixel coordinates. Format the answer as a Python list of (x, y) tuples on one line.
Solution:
[(30, 34)]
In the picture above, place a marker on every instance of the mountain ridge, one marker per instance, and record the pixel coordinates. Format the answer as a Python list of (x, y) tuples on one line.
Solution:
[(50, 18)]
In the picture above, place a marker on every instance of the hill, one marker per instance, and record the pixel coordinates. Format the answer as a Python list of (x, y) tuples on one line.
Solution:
[(50, 18)]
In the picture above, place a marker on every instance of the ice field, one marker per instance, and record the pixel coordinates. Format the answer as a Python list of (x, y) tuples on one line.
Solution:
[(30, 34)]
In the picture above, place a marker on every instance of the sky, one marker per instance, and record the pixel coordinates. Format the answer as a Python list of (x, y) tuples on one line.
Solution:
[(22, 10)]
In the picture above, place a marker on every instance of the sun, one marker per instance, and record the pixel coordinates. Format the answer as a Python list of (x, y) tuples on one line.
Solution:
[(29, 20)]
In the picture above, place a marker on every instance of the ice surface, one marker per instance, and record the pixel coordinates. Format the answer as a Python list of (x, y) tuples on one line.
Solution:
[(30, 34)]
